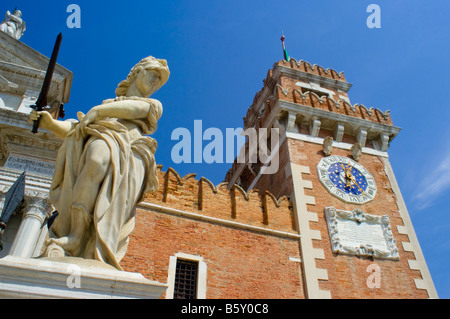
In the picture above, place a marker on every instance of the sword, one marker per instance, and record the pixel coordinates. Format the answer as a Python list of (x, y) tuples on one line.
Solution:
[(41, 102)]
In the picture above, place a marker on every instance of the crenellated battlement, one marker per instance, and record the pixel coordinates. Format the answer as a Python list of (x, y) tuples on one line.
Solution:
[(308, 85), (305, 66), (341, 106), (201, 196)]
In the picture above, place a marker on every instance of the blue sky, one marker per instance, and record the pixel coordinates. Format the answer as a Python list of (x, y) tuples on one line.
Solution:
[(219, 53)]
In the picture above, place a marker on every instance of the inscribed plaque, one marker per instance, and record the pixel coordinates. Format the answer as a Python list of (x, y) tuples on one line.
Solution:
[(30, 165), (360, 234)]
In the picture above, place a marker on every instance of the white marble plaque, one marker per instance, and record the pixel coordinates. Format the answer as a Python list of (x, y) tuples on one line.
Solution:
[(30, 165), (356, 233)]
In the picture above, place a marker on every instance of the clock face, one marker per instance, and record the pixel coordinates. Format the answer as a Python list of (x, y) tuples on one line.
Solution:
[(346, 179)]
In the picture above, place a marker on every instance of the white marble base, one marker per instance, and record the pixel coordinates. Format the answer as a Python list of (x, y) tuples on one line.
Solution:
[(74, 278)]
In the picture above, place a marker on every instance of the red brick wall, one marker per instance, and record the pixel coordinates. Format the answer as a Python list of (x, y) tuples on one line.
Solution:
[(240, 263)]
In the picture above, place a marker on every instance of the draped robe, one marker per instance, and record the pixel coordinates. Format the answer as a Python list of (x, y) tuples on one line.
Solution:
[(131, 174)]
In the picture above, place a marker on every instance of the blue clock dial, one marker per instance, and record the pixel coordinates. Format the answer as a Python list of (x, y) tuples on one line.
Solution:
[(347, 178)]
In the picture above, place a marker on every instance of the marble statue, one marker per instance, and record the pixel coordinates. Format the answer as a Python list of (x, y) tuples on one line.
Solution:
[(13, 24), (328, 145), (105, 166)]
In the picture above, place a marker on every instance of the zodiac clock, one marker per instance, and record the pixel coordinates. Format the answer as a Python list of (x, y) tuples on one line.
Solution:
[(346, 179)]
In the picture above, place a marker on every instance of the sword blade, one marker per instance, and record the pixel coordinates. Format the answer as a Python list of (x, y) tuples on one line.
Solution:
[(42, 99)]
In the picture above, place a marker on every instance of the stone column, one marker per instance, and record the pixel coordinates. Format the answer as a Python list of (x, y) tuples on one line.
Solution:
[(34, 215)]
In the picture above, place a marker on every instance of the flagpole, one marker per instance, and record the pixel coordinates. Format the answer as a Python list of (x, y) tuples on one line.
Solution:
[(285, 54)]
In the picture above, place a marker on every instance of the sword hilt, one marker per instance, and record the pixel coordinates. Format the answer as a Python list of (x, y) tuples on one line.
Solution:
[(35, 126), (36, 122)]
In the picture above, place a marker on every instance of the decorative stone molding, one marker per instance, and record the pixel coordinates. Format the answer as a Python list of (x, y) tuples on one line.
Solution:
[(314, 127), (339, 132), (26, 144), (316, 119), (309, 253), (37, 207), (384, 142), (36, 185), (340, 145), (292, 122), (361, 136), (360, 234)]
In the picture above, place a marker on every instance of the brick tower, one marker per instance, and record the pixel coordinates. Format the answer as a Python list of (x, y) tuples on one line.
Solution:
[(356, 236)]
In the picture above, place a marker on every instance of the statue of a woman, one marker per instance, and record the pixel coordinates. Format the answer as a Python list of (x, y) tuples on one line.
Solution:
[(105, 166)]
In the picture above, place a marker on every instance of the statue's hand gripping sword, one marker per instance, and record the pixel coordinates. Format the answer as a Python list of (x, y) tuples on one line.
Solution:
[(41, 102)]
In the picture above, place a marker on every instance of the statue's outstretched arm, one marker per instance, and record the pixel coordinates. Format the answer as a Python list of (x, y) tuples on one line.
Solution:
[(47, 122), (126, 109)]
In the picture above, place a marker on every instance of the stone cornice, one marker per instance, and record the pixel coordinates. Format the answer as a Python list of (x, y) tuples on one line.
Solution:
[(35, 185), (24, 61), (331, 119), (310, 77), (28, 78)]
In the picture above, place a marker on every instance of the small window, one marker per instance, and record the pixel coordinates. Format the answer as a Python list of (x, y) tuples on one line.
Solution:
[(186, 277), (186, 274)]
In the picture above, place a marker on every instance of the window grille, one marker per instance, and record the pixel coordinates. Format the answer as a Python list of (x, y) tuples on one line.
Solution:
[(186, 279)]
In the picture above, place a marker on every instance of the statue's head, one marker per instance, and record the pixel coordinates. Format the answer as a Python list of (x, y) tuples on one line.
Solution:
[(17, 13), (149, 75)]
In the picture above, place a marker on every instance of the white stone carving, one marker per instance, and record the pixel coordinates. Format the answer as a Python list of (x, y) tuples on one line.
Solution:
[(361, 136), (291, 125), (339, 132), (384, 142), (105, 166), (54, 250), (360, 234), (314, 127), (328, 145), (13, 24), (356, 151)]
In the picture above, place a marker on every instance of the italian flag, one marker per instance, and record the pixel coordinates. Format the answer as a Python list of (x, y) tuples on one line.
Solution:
[(285, 54)]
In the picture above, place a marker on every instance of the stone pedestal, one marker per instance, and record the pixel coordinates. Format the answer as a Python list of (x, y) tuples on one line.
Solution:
[(74, 278)]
